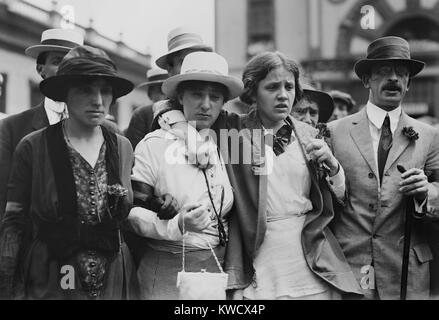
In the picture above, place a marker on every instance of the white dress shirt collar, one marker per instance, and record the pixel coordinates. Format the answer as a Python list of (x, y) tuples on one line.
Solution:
[(54, 106), (54, 110), (377, 115)]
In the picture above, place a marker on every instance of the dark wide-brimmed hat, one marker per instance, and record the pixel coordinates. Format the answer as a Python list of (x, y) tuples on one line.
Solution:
[(84, 63), (179, 39), (323, 101), (62, 40), (384, 49)]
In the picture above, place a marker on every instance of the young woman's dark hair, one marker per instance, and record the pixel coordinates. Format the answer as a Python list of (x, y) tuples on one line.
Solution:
[(260, 66)]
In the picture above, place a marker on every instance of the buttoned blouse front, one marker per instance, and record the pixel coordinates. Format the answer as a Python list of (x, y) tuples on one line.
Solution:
[(91, 186), (160, 161)]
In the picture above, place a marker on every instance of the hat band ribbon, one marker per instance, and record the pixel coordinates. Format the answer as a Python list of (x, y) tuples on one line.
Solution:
[(61, 43), (214, 72), (190, 39), (80, 66), (390, 52), (158, 77)]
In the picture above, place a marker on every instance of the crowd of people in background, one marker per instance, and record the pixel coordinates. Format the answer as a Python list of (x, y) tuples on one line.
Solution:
[(320, 212)]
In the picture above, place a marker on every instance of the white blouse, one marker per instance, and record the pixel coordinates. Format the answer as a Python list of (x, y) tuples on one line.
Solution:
[(281, 270), (160, 161)]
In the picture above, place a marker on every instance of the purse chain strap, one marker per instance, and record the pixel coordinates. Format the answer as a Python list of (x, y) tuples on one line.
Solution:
[(211, 249)]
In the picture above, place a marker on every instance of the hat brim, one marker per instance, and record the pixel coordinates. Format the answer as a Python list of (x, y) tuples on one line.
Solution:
[(150, 83), (365, 65), (234, 85), (35, 51), (324, 102), (162, 61), (55, 87)]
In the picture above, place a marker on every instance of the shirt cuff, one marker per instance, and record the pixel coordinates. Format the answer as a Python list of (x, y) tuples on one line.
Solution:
[(427, 206), (146, 224), (337, 183)]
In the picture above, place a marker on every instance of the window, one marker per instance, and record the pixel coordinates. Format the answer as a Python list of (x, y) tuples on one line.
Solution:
[(260, 27), (3, 86), (36, 97)]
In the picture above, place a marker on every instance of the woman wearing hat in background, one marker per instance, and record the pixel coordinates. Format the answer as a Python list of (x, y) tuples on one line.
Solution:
[(280, 246), (69, 192), (202, 195), (314, 107)]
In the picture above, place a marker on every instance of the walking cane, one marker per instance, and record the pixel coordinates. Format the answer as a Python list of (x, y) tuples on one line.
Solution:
[(409, 211)]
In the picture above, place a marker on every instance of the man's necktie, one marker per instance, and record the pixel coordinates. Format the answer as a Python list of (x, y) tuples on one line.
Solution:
[(384, 146), (281, 139)]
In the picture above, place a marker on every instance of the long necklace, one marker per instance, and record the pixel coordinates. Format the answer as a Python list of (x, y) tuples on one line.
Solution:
[(65, 131)]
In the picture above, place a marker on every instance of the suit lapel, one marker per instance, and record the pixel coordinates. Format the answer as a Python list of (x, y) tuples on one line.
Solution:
[(360, 133), (40, 119), (400, 142)]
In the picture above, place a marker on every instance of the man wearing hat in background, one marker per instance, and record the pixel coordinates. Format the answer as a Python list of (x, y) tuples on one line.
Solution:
[(55, 43), (315, 107), (181, 42), (369, 145), (343, 104), (141, 120)]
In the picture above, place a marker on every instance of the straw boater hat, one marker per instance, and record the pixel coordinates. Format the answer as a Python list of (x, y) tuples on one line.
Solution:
[(84, 63), (204, 66), (179, 39), (56, 40), (388, 49), (154, 76), (322, 99)]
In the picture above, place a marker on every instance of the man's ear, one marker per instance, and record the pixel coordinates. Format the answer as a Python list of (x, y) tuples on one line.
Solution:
[(39, 69), (180, 98), (409, 83), (365, 79)]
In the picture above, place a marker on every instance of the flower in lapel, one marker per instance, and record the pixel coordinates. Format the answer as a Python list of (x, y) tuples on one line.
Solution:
[(324, 132), (115, 192), (410, 133), (306, 134)]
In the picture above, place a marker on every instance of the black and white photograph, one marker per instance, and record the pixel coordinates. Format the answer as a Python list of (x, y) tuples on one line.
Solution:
[(219, 154)]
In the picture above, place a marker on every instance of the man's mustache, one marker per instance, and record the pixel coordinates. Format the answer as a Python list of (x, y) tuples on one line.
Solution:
[(392, 87)]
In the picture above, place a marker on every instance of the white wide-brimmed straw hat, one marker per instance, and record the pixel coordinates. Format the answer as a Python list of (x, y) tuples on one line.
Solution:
[(154, 76), (204, 66), (179, 39), (56, 40)]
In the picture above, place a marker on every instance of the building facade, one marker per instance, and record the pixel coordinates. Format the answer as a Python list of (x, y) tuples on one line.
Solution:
[(21, 25), (328, 36)]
